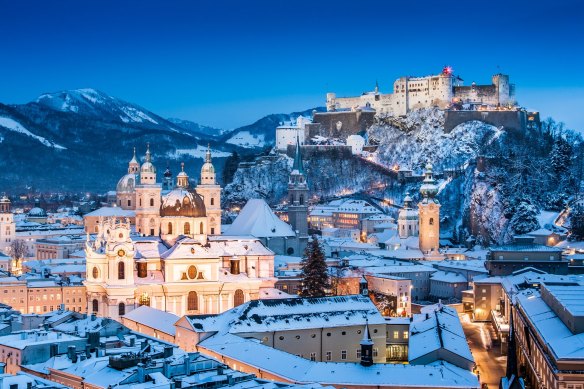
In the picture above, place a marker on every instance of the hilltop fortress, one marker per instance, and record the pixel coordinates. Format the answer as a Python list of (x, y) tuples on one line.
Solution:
[(444, 91)]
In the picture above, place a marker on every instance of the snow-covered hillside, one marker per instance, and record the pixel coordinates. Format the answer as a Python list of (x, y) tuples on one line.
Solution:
[(247, 140), (412, 141), (13, 125)]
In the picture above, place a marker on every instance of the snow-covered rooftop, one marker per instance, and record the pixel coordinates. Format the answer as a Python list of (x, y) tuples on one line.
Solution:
[(257, 219), (153, 318)]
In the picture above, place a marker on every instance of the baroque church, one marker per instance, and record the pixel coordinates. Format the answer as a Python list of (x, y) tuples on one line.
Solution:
[(177, 260)]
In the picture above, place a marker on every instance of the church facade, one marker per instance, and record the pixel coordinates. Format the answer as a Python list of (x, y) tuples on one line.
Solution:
[(177, 261)]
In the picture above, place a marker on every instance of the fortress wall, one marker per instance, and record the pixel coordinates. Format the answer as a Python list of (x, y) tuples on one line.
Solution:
[(352, 122), (510, 120)]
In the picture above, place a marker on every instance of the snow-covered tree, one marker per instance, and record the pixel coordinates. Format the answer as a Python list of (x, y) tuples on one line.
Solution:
[(524, 219), (577, 222), (561, 156), (315, 279)]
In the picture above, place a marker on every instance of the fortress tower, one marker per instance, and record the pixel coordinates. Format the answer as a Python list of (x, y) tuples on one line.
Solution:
[(429, 214)]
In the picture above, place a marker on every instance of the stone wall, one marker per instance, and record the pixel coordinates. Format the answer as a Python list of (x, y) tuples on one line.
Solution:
[(341, 124), (510, 120)]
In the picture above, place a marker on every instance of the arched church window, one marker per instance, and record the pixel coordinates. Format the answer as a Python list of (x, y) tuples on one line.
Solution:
[(129, 203), (212, 201), (187, 228), (301, 199), (121, 271), (95, 305), (169, 230), (121, 309), (95, 272), (238, 298), (151, 202), (201, 228), (192, 272), (431, 221), (193, 301), (291, 199)]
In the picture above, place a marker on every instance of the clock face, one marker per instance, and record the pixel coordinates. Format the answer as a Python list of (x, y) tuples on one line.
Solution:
[(121, 253)]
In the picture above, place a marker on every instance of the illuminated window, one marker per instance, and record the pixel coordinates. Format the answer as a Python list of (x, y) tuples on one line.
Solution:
[(193, 301)]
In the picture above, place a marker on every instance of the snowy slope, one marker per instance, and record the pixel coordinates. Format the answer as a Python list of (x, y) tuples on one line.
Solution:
[(412, 141), (12, 125), (247, 140)]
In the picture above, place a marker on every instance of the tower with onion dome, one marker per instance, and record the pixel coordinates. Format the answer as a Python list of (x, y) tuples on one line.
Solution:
[(148, 199), (407, 220), (7, 226), (125, 189), (211, 193), (429, 214)]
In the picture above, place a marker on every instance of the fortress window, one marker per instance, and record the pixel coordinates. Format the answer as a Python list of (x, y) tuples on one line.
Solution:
[(151, 202), (212, 201), (121, 271), (193, 301), (431, 221), (129, 203)]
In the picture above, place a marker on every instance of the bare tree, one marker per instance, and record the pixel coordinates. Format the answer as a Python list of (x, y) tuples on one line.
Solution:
[(18, 252)]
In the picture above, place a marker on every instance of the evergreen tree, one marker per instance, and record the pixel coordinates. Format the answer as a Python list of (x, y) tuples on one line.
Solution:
[(455, 236), (231, 164), (524, 219), (314, 271), (577, 222), (561, 156)]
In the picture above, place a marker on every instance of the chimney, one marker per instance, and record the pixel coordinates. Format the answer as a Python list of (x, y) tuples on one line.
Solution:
[(132, 342), (72, 353), (54, 350), (141, 373), (166, 368), (187, 362), (167, 351), (177, 383), (220, 370), (88, 351), (2, 368)]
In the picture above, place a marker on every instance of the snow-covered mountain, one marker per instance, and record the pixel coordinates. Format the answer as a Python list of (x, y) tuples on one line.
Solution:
[(262, 133), (82, 140)]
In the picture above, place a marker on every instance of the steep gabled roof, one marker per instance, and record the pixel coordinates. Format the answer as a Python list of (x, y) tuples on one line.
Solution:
[(257, 219)]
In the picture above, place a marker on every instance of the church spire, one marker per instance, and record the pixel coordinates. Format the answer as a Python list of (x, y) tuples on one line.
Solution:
[(208, 154), (298, 165), (148, 156), (366, 347)]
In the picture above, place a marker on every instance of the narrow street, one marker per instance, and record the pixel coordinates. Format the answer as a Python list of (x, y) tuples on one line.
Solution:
[(490, 363)]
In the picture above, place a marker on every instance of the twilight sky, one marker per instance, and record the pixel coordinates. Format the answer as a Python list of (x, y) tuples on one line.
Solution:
[(227, 63)]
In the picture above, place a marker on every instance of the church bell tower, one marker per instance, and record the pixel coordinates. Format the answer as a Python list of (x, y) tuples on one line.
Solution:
[(297, 200), (429, 214)]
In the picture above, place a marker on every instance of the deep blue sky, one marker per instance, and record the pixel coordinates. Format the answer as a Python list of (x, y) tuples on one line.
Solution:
[(226, 63)]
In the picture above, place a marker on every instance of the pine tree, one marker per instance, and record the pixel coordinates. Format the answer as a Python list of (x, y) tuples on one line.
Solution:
[(524, 219), (314, 271), (577, 222), (561, 156)]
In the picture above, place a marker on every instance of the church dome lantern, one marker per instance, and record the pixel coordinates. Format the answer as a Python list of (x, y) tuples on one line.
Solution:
[(429, 188)]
